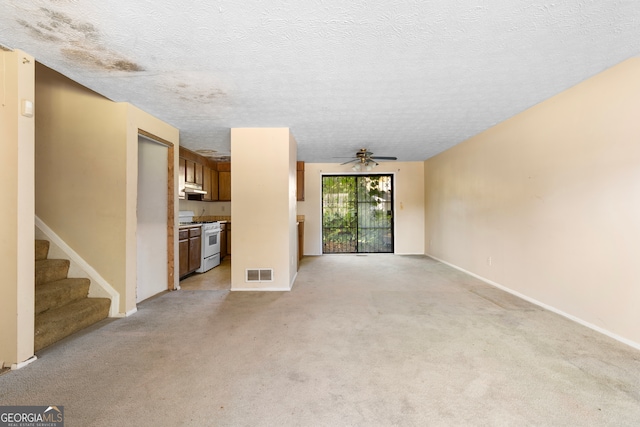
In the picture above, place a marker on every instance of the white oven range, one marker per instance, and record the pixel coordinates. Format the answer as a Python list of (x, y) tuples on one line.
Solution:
[(210, 246)]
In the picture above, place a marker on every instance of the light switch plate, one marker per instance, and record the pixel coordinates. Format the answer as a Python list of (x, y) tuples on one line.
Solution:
[(27, 108)]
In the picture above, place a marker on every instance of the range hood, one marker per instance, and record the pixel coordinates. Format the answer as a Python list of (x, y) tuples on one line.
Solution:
[(192, 188)]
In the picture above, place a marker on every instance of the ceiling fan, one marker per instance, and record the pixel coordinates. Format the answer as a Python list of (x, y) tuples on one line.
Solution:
[(364, 159)]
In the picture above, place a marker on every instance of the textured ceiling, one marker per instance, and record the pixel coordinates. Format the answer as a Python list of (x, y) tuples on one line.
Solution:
[(402, 78)]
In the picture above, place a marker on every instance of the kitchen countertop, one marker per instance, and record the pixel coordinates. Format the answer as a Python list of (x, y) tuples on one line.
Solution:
[(227, 219), (189, 225)]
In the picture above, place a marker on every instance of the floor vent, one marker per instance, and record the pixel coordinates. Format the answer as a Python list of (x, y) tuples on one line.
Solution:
[(259, 275)]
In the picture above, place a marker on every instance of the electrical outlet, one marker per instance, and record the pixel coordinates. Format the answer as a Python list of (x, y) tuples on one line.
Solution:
[(489, 261)]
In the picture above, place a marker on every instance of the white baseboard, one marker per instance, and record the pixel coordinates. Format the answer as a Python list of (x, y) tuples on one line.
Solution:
[(260, 290), (90, 271), (25, 363), (596, 328)]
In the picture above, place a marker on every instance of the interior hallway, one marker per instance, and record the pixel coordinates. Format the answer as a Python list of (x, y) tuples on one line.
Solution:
[(360, 340)]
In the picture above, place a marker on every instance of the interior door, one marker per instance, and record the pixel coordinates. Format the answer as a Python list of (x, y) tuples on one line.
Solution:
[(151, 232), (357, 214)]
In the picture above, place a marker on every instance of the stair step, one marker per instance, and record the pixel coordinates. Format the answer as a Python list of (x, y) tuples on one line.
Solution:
[(50, 270), (42, 249), (56, 324), (52, 295)]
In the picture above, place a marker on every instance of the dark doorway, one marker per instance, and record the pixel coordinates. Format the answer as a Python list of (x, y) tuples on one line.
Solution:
[(357, 214)]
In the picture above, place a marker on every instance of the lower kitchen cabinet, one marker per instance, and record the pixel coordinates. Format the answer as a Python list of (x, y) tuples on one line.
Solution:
[(183, 250), (190, 249)]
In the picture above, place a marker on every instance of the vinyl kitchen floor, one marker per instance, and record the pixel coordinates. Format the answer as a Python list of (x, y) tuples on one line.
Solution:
[(216, 279)]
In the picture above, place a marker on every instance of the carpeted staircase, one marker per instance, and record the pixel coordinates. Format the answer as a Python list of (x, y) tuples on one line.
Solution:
[(62, 304)]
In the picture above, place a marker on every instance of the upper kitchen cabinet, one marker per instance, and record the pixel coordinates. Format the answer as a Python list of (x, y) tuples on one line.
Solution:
[(193, 172), (210, 184), (224, 181), (215, 191), (300, 181), (190, 168), (200, 172)]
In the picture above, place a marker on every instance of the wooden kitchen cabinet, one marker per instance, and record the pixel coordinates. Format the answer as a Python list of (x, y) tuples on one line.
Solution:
[(224, 181), (300, 181), (190, 249), (214, 185), (190, 170), (195, 248), (199, 174), (206, 184), (209, 184), (196, 169), (183, 250)]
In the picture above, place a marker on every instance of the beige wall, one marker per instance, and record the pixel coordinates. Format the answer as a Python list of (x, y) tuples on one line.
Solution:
[(81, 167), (16, 216), (408, 201), (86, 175), (264, 208), (547, 204)]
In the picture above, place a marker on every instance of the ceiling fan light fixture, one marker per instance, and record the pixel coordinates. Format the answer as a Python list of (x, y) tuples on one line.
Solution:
[(365, 161), (364, 165)]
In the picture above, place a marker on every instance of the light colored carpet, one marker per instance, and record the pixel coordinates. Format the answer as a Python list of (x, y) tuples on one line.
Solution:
[(377, 340)]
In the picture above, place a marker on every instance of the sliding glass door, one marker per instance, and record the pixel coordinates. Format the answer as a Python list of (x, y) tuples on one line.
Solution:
[(357, 214)]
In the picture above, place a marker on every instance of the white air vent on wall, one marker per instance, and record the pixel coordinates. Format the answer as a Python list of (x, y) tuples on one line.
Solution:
[(259, 275)]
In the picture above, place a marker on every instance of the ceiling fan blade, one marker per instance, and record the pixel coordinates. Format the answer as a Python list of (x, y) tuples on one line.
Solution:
[(350, 161), (383, 158)]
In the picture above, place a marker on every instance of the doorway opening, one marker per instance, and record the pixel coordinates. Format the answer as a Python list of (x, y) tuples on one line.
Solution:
[(357, 214)]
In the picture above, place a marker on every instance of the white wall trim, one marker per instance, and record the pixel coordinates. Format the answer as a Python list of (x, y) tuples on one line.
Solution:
[(545, 306), (260, 290), (20, 365), (91, 272), (134, 310)]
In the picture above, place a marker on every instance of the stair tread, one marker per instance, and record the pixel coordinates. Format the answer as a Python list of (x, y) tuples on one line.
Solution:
[(49, 270), (57, 323), (44, 263), (69, 281), (73, 307), (55, 294)]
